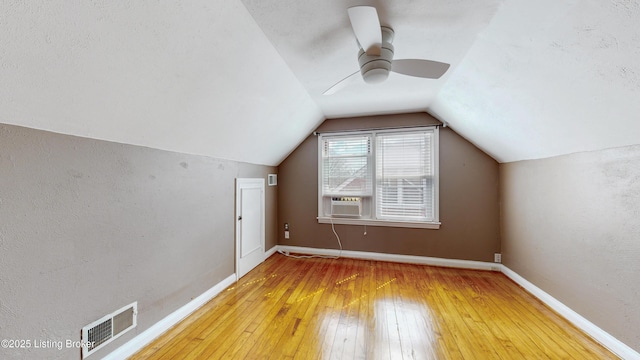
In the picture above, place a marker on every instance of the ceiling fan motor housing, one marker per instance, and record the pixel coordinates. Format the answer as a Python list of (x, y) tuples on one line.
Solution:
[(375, 68)]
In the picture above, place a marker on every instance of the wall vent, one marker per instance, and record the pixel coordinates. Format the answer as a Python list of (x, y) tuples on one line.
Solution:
[(272, 179), (108, 328), (351, 206)]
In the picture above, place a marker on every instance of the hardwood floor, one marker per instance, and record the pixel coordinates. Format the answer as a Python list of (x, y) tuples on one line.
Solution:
[(357, 309)]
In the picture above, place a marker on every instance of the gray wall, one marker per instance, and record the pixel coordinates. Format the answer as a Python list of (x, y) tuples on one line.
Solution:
[(469, 209), (571, 226), (89, 226)]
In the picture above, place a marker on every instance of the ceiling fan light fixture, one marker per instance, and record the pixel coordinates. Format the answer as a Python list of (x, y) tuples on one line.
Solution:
[(375, 68), (376, 53), (375, 76)]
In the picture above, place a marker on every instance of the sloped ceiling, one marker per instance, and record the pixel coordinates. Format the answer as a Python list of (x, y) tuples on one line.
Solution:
[(243, 80), (316, 40), (547, 78), (196, 77)]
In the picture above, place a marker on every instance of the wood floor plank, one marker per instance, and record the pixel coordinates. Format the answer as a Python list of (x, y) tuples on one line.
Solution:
[(492, 312), (260, 315), (360, 309), (557, 328), (302, 317), (344, 325), (352, 286), (473, 296), (546, 335), (411, 307), (426, 285)]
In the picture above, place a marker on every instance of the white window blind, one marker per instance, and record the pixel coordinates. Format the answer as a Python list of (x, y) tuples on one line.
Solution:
[(390, 174), (404, 176), (346, 166)]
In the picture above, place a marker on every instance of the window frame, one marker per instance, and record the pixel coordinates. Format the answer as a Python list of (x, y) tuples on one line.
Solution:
[(371, 218)]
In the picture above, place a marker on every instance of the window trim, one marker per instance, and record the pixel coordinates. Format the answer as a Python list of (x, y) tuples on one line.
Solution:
[(376, 222), (372, 221)]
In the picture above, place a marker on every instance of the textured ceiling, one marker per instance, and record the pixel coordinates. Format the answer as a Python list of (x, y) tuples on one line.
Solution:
[(195, 77), (316, 41), (547, 78), (243, 80)]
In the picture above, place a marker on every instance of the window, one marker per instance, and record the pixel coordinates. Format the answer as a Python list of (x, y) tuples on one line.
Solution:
[(385, 177), (346, 166)]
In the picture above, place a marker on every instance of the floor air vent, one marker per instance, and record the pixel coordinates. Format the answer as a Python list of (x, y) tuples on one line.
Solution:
[(108, 328)]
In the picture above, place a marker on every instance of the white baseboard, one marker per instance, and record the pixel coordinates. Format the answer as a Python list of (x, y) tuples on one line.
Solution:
[(604, 338), (136, 344), (270, 252), (411, 259), (614, 345)]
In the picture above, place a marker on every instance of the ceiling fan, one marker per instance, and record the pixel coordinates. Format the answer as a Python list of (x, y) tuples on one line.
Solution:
[(376, 53)]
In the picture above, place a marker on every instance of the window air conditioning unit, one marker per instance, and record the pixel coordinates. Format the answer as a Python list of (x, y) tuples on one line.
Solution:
[(346, 206)]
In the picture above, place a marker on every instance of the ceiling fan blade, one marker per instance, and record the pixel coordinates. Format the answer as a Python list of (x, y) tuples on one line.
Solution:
[(366, 26), (420, 68), (342, 83)]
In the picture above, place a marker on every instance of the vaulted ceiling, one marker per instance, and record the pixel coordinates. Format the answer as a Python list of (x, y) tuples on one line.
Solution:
[(243, 80)]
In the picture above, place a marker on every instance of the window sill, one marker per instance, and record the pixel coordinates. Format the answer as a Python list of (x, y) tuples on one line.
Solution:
[(370, 222)]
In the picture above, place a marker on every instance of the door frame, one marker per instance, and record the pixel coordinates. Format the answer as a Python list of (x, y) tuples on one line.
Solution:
[(242, 183)]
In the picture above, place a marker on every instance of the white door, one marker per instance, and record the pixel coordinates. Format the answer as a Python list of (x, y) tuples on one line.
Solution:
[(249, 224)]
